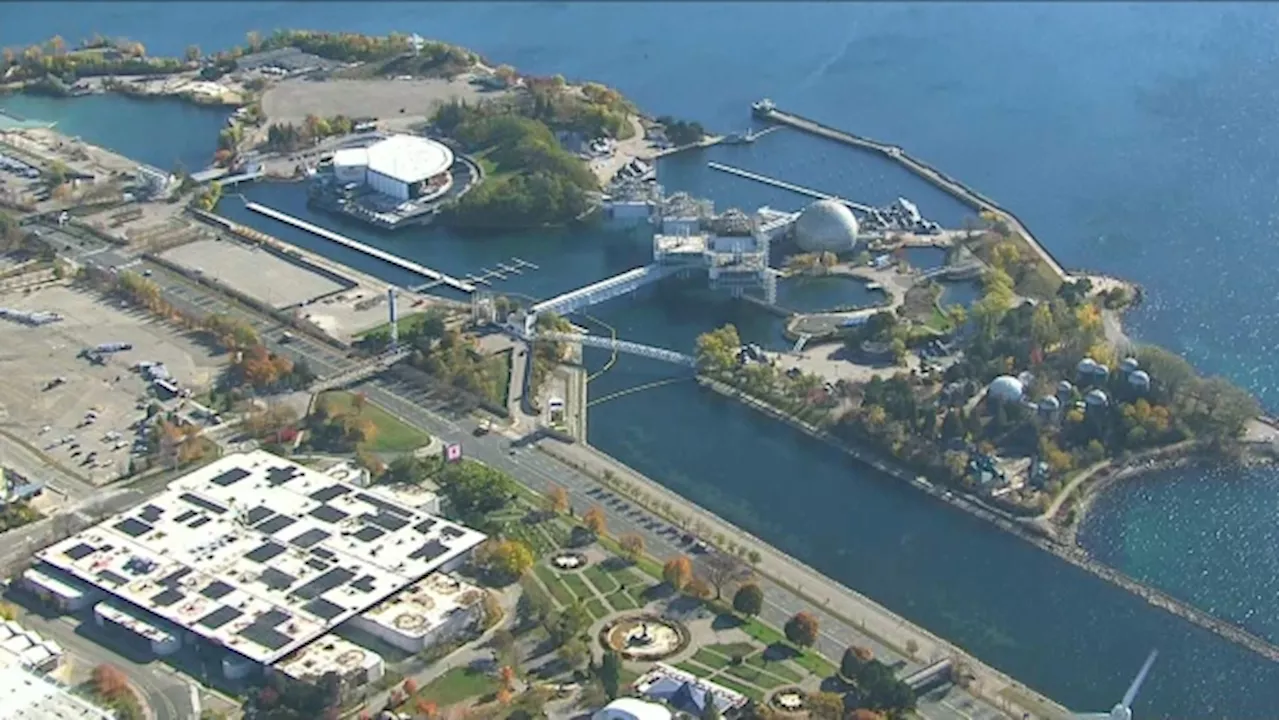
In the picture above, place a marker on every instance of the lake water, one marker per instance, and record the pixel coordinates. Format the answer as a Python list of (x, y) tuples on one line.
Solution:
[(1136, 140)]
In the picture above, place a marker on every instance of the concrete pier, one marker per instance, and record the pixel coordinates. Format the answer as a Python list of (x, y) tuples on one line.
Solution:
[(939, 179), (798, 189), (384, 256)]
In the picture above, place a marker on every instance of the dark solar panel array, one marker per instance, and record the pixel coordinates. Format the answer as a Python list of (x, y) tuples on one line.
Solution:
[(273, 617), (231, 477), (452, 533), (219, 617), (264, 552), (258, 514), (174, 578), (277, 579), (310, 537), (323, 608), (107, 576), (202, 503), (266, 636), (275, 524), (385, 521), (317, 564), (168, 597), (425, 526), (202, 520), (369, 533), (324, 495), (323, 553), (217, 589), (323, 584), (364, 584), (385, 506), (150, 513), (132, 527), (78, 551), (185, 516), (329, 514), (280, 476), (428, 552)]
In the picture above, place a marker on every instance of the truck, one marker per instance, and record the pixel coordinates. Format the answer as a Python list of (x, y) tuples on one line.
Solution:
[(483, 428)]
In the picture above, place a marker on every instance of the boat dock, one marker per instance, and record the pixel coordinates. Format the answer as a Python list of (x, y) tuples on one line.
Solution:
[(798, 189), (939, 179), (436, 276)]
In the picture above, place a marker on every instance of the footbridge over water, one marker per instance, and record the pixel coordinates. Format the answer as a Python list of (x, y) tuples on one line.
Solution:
[(623, 346), (598, 292)]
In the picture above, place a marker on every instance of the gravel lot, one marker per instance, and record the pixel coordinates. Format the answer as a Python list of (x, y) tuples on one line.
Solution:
[(407, 101), (256, 273)]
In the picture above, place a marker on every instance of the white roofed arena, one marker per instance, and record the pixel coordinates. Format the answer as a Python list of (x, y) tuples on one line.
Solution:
[(405, 167)]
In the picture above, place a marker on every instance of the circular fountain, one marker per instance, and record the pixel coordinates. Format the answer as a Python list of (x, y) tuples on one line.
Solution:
[(568, 560), (789, 700), (644, 637)]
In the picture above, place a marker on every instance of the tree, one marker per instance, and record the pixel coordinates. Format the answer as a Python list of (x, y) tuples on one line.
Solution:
[(632, 546), (722, 569), (410, 686), (509, 559), (192, 53), (109, 681), (573, 653), (611, 674), (593, 520), (710, 711), (507, 677), (853, 659), (698, 588), (825, 705), (474, 490), (503, 643), (677, 572), (748, 600), (802, 629), (425, 708), (557, 500), (565, 625)]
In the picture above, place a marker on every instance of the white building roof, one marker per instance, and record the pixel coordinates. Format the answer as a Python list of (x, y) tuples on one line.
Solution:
[(408, 158), (632, 709), (28, 696), (425, 606), (260, 554), (134, 621), (53, 585), (328, 654), (351, 157)]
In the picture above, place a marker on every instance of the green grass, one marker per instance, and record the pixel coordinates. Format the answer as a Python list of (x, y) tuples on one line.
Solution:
[(762, 632), (578, 586), (816, 664), (690, 666), (646, 564), (710, 659), (534, 538), (627, 677), (457, 685), (751, 692), (600, 579), (554, 586), (391, 434), (755, 676), (730, 649), (774, 667), (596, 607), (622, 601), (497, 377)]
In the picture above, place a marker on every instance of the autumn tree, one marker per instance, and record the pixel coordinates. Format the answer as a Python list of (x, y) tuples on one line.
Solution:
[(677, 572), (853, 659), (426, 709), (825, 705), (632, 546), (593, 520), (507, 677), (508, 559), (557, 500), (802, 629), (748, 600), (698, 588), (109, 681)]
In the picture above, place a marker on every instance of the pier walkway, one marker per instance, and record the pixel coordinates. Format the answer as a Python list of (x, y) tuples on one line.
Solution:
[(598, 292), (233, 180), (382, 255), (941, 180), (798, 189)]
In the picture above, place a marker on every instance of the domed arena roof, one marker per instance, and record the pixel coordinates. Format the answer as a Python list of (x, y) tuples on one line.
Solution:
[(827, 225), (1005, 388)]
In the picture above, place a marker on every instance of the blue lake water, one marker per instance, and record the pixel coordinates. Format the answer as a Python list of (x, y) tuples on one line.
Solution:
[(1134, 139)]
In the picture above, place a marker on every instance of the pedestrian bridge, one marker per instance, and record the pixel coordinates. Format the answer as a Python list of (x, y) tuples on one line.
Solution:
[(598, 292), (623, 346)]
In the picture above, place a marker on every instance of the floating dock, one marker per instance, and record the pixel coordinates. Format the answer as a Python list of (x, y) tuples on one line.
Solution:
[(413, 267), (934, 176), (798, 189)]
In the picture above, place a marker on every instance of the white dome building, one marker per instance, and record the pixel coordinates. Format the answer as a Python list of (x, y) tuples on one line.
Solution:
[(632, 709), (402, 166), (1005, 389), (826, 226)]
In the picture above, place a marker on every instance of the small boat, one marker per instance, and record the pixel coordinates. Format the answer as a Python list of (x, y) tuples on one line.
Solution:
[(763, 107)]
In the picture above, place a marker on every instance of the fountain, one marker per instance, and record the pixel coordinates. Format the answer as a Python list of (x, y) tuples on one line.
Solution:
[(789, 700), (568, 560), (644, 637)]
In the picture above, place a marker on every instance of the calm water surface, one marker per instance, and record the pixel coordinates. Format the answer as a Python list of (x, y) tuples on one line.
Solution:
[(1133, 139)]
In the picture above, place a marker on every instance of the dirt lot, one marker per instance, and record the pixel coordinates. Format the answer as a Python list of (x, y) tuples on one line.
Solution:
[(33, 356), (402, 102)]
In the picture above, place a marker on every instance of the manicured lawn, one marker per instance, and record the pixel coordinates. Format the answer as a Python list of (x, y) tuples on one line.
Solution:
[(578, 586), (596, 607), (497, 377), (600, 579), (762, 632), (751, 692), (816, 664), (457, 685), (730, 649), (391, 434), (621, 601), (534, 538), (710, 659), (554, 586), (755, 676), (774, 667), (690, 666)]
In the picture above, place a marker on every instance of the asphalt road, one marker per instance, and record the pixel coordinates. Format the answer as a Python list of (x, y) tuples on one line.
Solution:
[(529, 466)]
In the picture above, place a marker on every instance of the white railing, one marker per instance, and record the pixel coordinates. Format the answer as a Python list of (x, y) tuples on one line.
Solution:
[(631, 348)]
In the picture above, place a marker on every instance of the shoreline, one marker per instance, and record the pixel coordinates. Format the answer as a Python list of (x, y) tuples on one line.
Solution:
[(1073, 554)]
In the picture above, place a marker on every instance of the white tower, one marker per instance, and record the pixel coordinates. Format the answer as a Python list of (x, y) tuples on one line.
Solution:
[(393, 316)]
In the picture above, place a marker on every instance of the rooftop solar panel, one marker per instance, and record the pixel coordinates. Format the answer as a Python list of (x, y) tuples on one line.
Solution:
[(324, 495), (264, 552), (323, 584), (329, 514), (310, 537), (231, 477), (275, 524), (323, 608), (219, 617), (202, 503), (216, 589), (132, 527)]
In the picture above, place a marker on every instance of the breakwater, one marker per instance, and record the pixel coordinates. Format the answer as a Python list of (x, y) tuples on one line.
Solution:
[(783, 185), (934, 176), (1009, 523)]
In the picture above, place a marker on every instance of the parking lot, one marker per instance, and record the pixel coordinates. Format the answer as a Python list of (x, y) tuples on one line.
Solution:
[(256, 273), (69, 407)]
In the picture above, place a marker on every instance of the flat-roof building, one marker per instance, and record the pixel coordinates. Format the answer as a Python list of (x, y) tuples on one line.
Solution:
[(20, 647), (401, 166), (162, 640), (433, 610), (353, 665), (260, 555), (64, 593), (29, 696)]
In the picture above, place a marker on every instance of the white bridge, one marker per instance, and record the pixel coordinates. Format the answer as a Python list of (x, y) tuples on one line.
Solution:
[(598, 292), (366, 369), (631, 348)]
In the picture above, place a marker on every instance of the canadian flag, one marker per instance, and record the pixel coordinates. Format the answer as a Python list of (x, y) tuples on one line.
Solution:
[(453, 453)]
